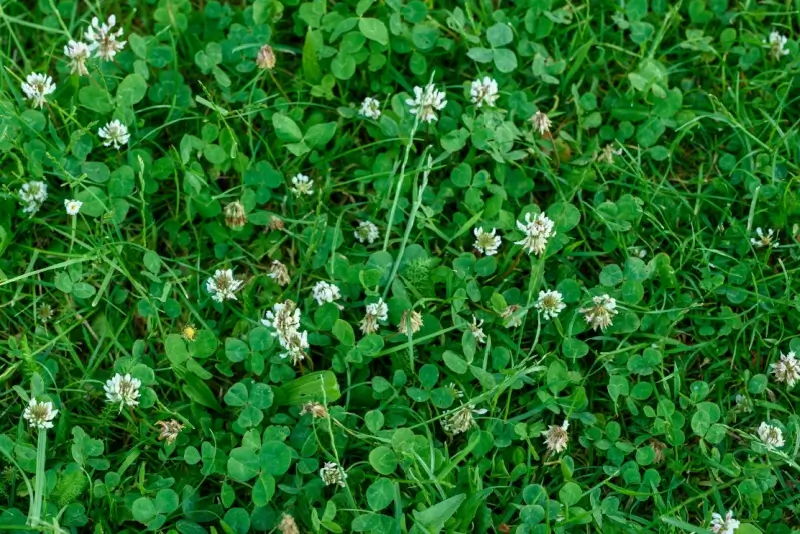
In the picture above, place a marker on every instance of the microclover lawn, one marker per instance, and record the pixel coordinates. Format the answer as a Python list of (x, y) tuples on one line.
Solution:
[(399, 266)]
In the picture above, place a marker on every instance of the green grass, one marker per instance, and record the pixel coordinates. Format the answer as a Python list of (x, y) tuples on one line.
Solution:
[(664, 406)]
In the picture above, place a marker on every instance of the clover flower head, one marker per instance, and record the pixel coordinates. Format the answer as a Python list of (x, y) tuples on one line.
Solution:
[(73, 207), (316, 409), (607, 154), (326, 292), (765, 239), (370, 108), (777, 45), (427, 102), (169, 430), (40, 414), (538, 229), (601, 313), (376, 312), (235, 216), (541, 122), (123, 389), (484, 91), (103, 39), (556, 437), (332, 474), (223, 286), (550, 303), (284, 320), (77, 52), (265, 58), (302, 185), (412, 319), (787, 369), (723, 525), (114, 133), (32, 195), (288, 525), (771, 436), (477, 330), (279, 273), (487, 243), (461, 419), (37, 87), (366, 232)]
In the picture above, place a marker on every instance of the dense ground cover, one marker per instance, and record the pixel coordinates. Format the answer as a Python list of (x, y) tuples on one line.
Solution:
[(399, 266)]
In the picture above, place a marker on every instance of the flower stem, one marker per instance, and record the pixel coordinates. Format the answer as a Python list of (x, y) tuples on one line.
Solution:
[(35, 514)]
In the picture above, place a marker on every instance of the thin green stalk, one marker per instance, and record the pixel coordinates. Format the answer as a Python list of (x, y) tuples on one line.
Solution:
[(412, 216), (402, 178), (349, 494), (400, 184), (35, 514)]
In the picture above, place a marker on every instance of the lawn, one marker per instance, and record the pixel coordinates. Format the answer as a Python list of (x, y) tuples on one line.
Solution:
[(399, 266)]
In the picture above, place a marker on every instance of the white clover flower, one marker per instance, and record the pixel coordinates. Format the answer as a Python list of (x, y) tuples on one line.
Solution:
[(726, 525), (379, 309), (550, 303), (487, 243), (787, 369), (777, 45), (103, 40), (484, 91), (123, 390), (324, 292), (764, 239), (541, 122), (477, 331), (32, 195), (265, 58), (413, 319), (72, 206), (302, 185), (114, 133), (607, 154), (77, 52), (538, 230), (36, 88), (556, 437), (600, 315), (235, 216), (743, 404), (427, 102), (288, 525), (40, 414), (771, 436), (316, 409), (454, 390), (169, 430), (376, 312), (332, 474), (461, 419), (284, 319), (366, 232), (370, 108), (276, 223), (222, 286), (279, 273), (638, 252), (45, 312), (513, 315)]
